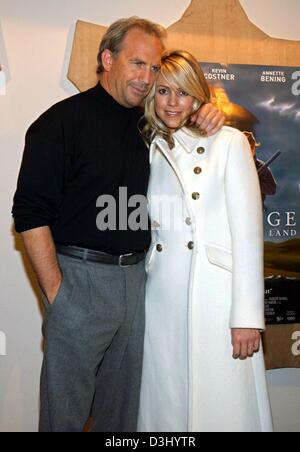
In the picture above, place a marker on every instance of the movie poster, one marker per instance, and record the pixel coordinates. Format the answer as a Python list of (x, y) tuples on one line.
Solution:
[(264, 103)]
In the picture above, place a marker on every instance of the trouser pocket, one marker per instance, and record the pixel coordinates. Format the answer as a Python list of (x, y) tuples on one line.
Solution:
[(58, 296)]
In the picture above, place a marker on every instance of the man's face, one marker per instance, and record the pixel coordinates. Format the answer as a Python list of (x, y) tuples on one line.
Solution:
[(134, 70)]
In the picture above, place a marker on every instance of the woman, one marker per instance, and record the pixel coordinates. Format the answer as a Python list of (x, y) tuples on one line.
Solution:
[(203, 367)]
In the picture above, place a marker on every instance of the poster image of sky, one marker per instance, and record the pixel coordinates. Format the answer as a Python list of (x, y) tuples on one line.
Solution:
[(264, 102)]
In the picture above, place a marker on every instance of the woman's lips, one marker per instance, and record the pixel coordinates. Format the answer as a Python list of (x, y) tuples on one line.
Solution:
[(173, 114)]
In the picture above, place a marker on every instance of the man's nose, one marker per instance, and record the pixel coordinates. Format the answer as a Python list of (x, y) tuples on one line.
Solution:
[(148, 77)]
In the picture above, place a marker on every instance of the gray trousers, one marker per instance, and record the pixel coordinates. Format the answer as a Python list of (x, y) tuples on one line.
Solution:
[(94, 334)]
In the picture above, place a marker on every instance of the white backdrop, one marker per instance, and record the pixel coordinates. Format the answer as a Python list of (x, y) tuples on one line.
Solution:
[(35, 45)]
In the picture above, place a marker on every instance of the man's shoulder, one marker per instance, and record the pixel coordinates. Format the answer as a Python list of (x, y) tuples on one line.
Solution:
[(80, 99), (71, 104), (63, 111)]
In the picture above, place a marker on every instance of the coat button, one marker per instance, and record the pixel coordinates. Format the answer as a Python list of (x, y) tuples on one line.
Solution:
[(195, 196), (159, 248), (201, 150), (198, 170), (188, 221), (191, 245)]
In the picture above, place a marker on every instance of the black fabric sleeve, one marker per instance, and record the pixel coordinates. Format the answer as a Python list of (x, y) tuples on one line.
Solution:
[(40, 186)]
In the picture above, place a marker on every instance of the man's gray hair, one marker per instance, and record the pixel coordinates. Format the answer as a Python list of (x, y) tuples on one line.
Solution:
[(115, 35)]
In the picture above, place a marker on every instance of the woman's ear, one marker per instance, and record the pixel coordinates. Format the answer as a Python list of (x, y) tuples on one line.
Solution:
[(107, 60)]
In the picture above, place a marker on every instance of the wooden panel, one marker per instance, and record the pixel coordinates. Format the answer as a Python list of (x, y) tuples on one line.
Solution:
[(220, 31), (83, 64), (282, 346), (213, 30)]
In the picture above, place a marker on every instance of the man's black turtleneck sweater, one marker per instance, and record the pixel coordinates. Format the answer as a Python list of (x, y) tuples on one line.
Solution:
[(82, 148)]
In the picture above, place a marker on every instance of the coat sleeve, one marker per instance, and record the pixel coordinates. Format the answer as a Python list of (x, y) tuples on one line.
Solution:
[(244, 205)]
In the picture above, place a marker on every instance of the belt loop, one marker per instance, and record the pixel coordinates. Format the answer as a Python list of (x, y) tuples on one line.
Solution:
[(85, 255)]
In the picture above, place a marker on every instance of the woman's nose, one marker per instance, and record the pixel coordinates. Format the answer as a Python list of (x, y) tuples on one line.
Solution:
[(172, 99)]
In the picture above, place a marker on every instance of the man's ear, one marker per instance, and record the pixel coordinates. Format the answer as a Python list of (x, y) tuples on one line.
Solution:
[(107, 60)]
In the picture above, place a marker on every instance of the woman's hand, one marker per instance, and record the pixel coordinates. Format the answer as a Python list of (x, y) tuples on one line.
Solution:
[(209, 119), (245, 342)]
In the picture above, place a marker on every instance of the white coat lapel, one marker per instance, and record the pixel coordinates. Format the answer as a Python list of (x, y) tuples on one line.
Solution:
[(160, 145)]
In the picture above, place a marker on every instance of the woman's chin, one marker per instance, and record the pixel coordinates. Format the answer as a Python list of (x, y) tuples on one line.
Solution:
[(173, 124)]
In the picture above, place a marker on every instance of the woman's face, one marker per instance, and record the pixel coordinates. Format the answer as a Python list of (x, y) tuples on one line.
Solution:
[(173, 105)]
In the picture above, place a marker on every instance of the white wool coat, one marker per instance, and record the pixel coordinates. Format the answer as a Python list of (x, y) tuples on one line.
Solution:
[(205, 277)]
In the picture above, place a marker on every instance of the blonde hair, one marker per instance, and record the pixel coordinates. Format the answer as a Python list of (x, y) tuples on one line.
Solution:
[(117, 32), (179, 69)]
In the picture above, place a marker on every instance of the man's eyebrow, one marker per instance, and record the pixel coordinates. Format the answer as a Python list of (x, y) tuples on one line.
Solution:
[(137, 59)]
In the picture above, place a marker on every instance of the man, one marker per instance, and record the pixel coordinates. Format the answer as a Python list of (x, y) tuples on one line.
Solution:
[(92, 280), (267, 181)]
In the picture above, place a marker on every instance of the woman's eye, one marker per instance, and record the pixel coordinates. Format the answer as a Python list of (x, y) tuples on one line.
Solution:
[(162, 91), (183, 93)]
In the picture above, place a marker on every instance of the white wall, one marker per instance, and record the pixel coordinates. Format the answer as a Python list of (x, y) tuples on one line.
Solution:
[(35, 43)]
